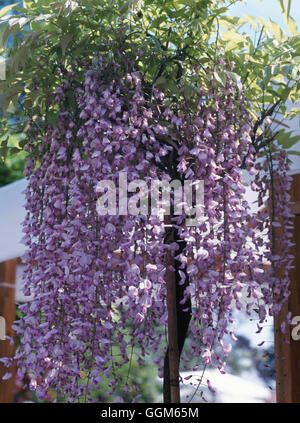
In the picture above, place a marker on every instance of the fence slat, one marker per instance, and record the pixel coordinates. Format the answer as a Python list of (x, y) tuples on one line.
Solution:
[(7, 310), (287, 350)]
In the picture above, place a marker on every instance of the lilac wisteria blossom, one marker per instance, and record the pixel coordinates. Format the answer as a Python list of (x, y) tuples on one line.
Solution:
[(99, 281)]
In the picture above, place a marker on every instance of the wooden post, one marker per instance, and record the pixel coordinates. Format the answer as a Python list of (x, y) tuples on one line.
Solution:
[(287, 350), (179, 315), (171, 366), (173, 350), (7, 310)]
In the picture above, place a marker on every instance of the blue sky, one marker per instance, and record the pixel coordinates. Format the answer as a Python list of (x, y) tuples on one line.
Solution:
[(266, 9)]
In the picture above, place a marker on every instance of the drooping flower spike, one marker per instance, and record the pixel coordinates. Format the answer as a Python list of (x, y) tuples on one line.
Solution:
[(99, 281)]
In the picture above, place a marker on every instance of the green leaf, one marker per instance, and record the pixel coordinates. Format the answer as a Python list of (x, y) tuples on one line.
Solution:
[(276, 30), (64, 41), (52, 118), (4, 142), (188, 91), (70, 98), (18, 59), (285, 140), (12, 27), (285, 93), (292, 25), (14, 150), (23, 142), (233, 36), (267, 73), (5, 36), (3, 152), (4, 102), (275, 69), (27, 4), (6, 9), (14, 100), (172, 86), (237, 79), (161, 81), (285, 69), (293, 153), (4, 148), (45, 17), (219, 78)]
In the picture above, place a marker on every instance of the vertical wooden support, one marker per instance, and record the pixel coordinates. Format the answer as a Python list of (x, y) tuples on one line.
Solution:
[(7, 310), (287, 350), (172, 330), (171, 366)]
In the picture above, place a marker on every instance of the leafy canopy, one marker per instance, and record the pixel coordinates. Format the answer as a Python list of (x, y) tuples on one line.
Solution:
[(42, 39)]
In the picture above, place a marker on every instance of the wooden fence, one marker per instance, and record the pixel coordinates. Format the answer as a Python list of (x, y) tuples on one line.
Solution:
[(7, 310), (287, 349)]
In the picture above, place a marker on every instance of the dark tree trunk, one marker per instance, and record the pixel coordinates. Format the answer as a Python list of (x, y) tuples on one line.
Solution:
[(182, 323), (178, 321)]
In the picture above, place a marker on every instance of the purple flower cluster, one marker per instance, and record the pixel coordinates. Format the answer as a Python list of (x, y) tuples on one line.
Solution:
[(99, 281), (274, 221)]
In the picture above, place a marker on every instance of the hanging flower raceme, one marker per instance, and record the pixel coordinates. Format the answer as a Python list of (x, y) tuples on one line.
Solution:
[(98, 279), (274, 229)]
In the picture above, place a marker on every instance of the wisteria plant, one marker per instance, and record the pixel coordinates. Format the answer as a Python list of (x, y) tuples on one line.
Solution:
[(158, 91)]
